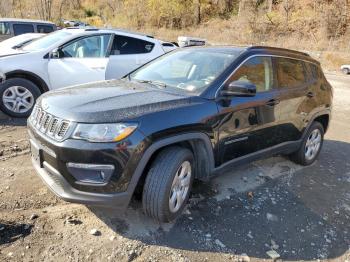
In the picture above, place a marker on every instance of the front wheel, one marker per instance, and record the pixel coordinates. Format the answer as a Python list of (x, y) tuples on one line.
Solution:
[(346, 71), (168, 184), (311, 145), (18, 96)]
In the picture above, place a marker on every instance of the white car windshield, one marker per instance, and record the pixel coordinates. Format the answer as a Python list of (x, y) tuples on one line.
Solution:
[(46, 41), (190, 70)]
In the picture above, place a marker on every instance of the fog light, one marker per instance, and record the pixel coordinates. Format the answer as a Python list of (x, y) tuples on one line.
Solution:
[(90, 174)]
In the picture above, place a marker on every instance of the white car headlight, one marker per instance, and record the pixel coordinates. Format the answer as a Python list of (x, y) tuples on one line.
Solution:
[(103, 132)]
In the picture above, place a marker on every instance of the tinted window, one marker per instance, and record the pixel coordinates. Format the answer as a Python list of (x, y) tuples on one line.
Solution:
[(44, 29), (258, 71), (123, 45), (23, 29), (291, 72), (88, 47), (4, 28)]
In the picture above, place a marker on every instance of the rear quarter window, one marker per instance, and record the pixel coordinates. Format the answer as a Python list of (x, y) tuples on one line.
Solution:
[(44, 29), (124, 45), (20, 29), (291, 73)]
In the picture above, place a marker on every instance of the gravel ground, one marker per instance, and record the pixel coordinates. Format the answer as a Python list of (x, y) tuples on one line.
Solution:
[(270, 208)]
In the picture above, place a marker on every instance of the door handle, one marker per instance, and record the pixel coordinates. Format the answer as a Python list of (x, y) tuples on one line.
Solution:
[(310, 94), (272, 102)]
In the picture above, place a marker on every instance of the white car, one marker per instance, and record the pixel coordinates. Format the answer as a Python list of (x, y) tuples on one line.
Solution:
[(18, 41), (345, 69), (71, 56)]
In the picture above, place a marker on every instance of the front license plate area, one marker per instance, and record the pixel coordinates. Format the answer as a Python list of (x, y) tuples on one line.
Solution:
[(35, 153)]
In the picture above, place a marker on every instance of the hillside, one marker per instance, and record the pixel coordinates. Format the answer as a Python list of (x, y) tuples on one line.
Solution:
[(317, 25)]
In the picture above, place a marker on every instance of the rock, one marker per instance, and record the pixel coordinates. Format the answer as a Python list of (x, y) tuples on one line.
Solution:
[(250, 195), (271, 217), (7, 188), (187, 212), (245, 257), (111, 238), (245, 179), (95, 232), (273, 254), (208, 235), (274, 245), (33, 216), (27, 247), (219, 243), (250, 235), (10, 254)]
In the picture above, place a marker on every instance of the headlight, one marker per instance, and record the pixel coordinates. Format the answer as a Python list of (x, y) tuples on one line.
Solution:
[(103, 132)]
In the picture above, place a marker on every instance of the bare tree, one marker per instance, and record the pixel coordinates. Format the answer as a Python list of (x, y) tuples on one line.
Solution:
[(44, 9)]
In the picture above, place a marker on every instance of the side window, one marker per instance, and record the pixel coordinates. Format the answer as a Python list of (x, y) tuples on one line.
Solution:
[(291, 72), (88, 47), (258, 71), (124, 45), (44, 29), (20, 29), (4, 28)]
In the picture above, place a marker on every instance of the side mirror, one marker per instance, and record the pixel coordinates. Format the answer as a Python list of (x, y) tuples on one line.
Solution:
[(56, 53), (239, 88)]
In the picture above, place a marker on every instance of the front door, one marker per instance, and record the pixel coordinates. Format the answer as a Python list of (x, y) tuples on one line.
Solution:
[(248, 124), (81, 61)]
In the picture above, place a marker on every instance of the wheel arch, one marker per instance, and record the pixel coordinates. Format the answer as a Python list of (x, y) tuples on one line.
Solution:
[(198, 143), (322, 117), (37, 80)]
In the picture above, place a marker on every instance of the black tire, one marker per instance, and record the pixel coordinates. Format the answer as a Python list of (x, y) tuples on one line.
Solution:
[(299, 156), (21, 82), (159, 180), (346, 71)]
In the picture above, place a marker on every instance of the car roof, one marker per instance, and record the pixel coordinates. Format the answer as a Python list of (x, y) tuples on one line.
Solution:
[(25, 20), (268, 50), (86, 31)]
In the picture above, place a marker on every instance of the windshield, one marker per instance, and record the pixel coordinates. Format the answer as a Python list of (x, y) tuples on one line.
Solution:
[(46, 41), (191, 70)]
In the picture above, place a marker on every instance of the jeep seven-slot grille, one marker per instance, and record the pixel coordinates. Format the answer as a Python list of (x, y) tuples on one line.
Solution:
[(54, 127)]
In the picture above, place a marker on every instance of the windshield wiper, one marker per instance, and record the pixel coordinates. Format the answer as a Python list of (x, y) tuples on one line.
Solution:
[(157, 83)]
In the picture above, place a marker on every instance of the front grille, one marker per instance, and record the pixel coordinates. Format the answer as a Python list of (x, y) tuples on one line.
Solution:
[(53, 127)]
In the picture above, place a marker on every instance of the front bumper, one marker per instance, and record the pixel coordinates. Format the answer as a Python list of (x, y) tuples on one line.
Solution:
[(50, 160), (58, 185)]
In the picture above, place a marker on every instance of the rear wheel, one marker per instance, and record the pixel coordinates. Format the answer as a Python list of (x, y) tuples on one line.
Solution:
[(311, 145), (18, 96), (346, 71), (168, 184)]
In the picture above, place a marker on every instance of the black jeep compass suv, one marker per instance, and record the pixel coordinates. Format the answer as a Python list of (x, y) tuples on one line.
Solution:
[(187, 115)]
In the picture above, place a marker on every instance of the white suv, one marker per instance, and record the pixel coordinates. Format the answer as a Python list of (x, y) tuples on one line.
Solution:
[(70, 57)]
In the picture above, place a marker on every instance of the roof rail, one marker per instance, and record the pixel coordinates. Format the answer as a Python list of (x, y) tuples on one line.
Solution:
[(86, 28), (279, 49)]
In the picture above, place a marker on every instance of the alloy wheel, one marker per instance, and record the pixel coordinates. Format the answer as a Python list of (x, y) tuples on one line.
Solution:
[(18, 99), (180, 186), (313, 144)]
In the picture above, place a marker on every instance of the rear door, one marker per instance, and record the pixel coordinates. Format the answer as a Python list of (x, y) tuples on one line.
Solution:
[(248, 124), (129, 53), (83, 60), (296, 99)]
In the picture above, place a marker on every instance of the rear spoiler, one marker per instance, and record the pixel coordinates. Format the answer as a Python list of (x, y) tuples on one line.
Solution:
[(185, 41)]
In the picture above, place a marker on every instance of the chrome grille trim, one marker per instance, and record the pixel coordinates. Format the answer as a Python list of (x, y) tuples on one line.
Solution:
[(49, 125)]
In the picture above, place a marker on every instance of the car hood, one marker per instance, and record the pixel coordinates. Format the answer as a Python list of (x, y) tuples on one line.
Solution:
[(6, 51), (109, 101)]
